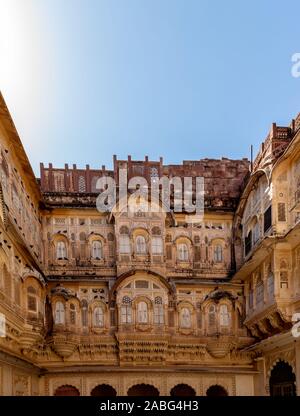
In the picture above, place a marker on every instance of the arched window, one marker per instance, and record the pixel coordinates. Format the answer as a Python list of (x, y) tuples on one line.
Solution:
[(142, 312), (97, 250), (98, 316), (158, 311), (124, 244), (157, 246), (84, 313), (72, 314), (140, 244), (182, 252), (224, 315), (284, 280), (61, 250), (259, 292), (31, 299), (218, 254), (126, 311), (185, 318), (59, 313), (212, 316)]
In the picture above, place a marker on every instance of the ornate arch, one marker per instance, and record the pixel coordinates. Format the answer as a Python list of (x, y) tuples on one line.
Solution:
[(142, 382), (96, 237), (106, 381), (183, 239), (72, 386), (288, 357), (33, 273), (124, 276)]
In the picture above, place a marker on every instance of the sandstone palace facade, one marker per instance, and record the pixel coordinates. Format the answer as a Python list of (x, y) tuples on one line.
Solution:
[(151, 304)]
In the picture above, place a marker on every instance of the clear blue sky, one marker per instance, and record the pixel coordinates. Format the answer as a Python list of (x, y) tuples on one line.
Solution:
[(181, 79)]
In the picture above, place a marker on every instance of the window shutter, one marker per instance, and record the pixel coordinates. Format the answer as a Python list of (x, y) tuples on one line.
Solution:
[(267, 218)]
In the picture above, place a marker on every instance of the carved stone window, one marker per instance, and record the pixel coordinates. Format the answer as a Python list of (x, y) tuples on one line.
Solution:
[(284, 277), (98, 317), (81, 184), (126, 310), (182, 252), (61, 250), (158, 311), (157, 245), (140, 244), (124, 244), (284, 280), (84, 313), (212, 316), (59, 313), (97, 252), (142, 313), (185, 319), (224, 316), (218, 253)]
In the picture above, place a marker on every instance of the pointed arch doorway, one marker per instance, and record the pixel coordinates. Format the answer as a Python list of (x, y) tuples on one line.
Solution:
[(282, 380)]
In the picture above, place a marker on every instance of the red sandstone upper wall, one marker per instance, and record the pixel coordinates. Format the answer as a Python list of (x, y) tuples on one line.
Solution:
[(222, 178)]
